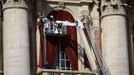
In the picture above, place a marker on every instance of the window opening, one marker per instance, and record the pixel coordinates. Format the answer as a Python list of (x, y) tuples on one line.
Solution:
[(64, 63), (61, 60)]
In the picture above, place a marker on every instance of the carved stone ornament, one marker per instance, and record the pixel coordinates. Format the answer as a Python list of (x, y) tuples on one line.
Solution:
[(109, 7), (61, 5)]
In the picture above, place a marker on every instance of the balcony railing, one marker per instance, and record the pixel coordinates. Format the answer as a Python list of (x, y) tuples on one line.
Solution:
[(62, 72)]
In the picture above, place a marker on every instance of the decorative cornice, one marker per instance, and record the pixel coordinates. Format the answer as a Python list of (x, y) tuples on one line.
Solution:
[(109, 7), (72, 1), (15, 4)]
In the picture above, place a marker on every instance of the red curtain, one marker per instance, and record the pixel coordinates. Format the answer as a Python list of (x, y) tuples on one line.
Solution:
[(71, 46), (40, 27), (70, 43), (51, 48), (61, 15)]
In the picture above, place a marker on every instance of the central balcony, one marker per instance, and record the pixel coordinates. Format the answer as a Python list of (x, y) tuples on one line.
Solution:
[(61, 72)]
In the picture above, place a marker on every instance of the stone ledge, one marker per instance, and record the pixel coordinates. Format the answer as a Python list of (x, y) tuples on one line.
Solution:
[(72, 1)]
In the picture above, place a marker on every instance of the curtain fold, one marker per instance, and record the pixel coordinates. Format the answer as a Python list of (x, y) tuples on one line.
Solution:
[(71, 46), (61, 15), (51, 48), (70, 42)]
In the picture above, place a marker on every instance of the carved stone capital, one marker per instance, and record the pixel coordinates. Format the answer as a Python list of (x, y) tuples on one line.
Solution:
[(85, 16), (61, 5), (15, 4), (85, 19), (110, 7)]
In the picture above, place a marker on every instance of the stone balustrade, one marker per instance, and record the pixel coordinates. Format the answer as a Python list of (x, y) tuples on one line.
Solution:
[(62, 72)]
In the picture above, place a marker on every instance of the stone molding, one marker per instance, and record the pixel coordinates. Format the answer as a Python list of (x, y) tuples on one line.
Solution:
[(72, 1), (112, 8), (15, 4)]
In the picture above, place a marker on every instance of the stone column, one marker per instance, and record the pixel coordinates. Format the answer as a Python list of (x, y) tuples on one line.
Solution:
[(16, 38), (114, 37)]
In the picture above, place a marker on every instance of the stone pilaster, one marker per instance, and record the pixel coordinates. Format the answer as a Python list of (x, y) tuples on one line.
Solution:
[(89, 51), (16, 38), (32, 34), (114, 37), (96, 25), (84, 14), (1, 49)]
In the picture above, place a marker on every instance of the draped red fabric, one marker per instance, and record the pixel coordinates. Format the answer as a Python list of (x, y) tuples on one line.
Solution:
[(40, 27), (51, 47), (70, 41), (61, 15), (71, 46)]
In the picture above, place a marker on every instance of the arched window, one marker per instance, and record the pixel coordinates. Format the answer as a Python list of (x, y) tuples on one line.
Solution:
[(61, 52), (61, 15)]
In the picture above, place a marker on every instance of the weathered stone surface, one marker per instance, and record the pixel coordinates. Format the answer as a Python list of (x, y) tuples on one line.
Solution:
[(114, 37), (16, 41), (114, 44)]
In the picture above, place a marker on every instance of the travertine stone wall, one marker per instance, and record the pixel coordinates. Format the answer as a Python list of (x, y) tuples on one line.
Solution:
[(16, 38), (95, 28)]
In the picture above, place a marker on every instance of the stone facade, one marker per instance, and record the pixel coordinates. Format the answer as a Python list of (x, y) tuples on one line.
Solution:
[(112, 29)]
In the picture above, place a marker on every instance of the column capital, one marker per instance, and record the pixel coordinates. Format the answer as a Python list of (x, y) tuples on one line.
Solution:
[(15, 4), (85, 19), (112, 7)]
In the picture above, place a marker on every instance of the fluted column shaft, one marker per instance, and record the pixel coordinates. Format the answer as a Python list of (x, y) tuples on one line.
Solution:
[(16, 38), (114, 37)]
